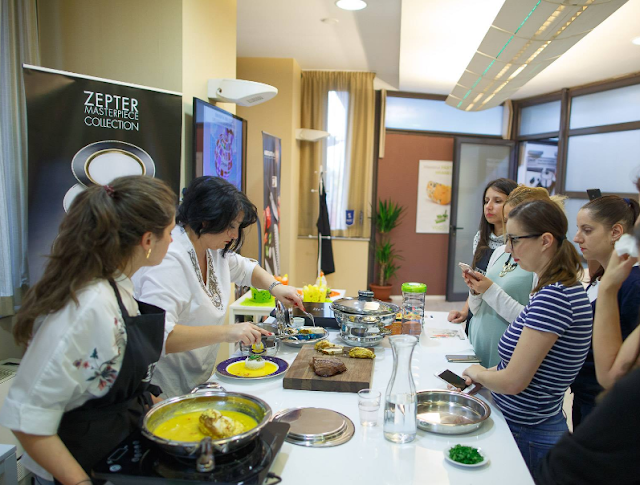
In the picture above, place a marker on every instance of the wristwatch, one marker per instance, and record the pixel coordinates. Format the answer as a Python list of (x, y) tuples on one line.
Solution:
[(273, 285)]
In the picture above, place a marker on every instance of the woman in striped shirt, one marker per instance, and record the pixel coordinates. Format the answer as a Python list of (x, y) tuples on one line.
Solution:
[(544, 348)]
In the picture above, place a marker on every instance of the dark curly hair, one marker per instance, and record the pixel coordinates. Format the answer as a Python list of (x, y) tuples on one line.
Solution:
[(211, 204)]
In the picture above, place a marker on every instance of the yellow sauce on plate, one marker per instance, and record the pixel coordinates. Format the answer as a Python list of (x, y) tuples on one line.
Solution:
[(240, 369), (185, 427)]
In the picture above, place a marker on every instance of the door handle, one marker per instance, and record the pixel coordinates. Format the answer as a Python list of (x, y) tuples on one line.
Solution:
[(455, 228)]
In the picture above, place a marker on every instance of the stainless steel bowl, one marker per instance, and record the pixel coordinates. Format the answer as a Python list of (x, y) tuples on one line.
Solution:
[(450, 412)]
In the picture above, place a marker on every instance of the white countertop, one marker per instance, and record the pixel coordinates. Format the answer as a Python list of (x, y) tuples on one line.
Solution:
[(368, 457)]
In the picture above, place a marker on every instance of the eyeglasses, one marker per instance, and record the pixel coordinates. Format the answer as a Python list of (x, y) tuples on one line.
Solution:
[(514, 239)]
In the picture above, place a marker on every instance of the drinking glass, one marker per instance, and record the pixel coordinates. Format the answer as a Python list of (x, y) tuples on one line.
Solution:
[(368, 404)]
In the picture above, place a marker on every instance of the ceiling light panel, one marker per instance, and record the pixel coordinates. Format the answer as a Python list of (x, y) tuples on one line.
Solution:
[(526, 37)]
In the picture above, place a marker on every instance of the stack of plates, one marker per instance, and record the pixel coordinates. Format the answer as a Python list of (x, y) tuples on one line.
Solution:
[(316, 427)]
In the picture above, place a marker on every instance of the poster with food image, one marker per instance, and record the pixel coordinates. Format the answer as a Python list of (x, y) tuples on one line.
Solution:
[(85, 131), (271, 242), (434, 197)]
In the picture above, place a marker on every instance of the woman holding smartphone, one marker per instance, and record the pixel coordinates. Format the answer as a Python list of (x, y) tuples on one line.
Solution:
[(601, 223), (544, 348), (489, 236), (498, 297)]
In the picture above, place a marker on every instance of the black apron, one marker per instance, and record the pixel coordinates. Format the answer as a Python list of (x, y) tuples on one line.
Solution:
[(95, 428), (483, 264)]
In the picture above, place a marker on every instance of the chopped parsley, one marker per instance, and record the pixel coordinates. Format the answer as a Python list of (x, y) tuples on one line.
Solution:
[(465, 454)]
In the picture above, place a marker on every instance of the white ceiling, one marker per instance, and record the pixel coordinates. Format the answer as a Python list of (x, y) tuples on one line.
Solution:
[(421, 45)]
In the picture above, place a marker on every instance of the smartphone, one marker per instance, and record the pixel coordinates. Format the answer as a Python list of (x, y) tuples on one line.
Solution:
[(463, 358), (594, 193), (453, 379), (467, 269)]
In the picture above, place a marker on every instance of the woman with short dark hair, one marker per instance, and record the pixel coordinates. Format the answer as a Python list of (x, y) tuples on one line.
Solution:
[(193, 283)]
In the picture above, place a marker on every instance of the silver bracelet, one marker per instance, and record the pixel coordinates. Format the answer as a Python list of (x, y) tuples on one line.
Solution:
[(273, 285)]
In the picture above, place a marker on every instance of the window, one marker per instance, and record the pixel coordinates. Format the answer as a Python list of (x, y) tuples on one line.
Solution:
[(606, 108), (540, 118), (336, 164), (433, 115), (605, 161)]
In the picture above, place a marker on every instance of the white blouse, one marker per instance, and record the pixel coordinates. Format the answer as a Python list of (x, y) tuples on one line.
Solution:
[(176, 285), (74, 356)]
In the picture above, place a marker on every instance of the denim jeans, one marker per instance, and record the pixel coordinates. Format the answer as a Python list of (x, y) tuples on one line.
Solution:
[(534, 441)]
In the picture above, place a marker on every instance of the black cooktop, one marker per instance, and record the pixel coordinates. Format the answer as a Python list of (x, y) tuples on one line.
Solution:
[(138, 461)]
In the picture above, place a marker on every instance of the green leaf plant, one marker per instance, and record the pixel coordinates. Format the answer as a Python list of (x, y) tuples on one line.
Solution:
[(387, 216)]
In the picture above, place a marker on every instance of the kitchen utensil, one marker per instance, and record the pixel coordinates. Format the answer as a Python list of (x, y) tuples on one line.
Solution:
[(363, 321), (450, 412), (316, 427), (214, 397)]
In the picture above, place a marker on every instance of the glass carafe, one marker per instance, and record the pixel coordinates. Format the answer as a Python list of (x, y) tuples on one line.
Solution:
[(400, 407)]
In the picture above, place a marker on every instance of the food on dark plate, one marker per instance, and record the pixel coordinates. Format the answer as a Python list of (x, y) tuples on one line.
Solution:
[(327, 367), (465, 454)]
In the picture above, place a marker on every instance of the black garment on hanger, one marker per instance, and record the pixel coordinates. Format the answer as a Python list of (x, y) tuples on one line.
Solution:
[(324, 229)]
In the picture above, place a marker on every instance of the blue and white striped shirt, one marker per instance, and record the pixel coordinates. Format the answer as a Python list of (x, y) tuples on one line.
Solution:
[(567, 313)]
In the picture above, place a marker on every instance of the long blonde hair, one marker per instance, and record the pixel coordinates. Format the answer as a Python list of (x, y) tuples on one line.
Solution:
[(97, 237), (522, 194)]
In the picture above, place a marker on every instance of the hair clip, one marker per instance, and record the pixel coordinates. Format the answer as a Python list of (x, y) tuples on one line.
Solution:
[(109, 190)]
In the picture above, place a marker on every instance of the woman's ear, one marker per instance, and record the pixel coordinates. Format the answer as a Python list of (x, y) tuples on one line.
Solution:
[(616, 232), (146, 241), (547, 240)]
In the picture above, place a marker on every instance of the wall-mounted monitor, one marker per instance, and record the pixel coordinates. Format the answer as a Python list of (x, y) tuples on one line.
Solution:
[(219, 143)]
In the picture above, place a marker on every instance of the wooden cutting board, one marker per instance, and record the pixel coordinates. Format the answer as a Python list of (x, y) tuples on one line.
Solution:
[(300, 375)]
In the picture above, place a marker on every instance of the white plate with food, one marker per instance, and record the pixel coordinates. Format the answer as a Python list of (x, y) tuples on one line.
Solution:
[(297, 337), (466, 456)]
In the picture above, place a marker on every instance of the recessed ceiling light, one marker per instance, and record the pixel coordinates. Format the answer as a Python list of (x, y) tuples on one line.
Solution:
[(351, 4), (636, 41), (330, 20)]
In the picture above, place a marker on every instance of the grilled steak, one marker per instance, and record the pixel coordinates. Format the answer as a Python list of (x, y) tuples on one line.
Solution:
[(327, 367)]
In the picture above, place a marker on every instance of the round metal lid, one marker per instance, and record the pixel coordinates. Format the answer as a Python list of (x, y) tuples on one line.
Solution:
[(365, 304), (316, 427)]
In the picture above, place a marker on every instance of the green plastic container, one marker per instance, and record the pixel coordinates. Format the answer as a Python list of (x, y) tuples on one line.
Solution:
[(260, 296)]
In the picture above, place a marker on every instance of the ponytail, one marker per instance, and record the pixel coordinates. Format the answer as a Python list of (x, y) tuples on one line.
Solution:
[(97, 237)]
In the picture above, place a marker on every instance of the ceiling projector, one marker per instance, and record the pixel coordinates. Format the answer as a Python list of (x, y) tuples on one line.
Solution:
[(242, 93)]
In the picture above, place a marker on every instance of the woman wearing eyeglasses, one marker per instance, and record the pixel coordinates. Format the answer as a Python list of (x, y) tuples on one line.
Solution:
[(543, 349), (601, 223), (498, 297)]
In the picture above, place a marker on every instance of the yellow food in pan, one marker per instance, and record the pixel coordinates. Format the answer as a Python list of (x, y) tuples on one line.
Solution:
[(186, 427)]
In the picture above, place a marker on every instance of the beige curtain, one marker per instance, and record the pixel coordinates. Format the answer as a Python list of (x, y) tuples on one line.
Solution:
[(359, 146), (382, 130), (19, 44)]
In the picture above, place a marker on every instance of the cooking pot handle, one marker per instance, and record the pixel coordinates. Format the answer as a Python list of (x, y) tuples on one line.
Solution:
[(208, 386), (205, 462)]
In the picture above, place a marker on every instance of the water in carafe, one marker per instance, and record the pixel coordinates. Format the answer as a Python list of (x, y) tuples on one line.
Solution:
[(400, 407)]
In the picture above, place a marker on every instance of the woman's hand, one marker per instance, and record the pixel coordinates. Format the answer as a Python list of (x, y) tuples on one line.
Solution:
[(471, 373), (245, 332), (478, 286), (457, 317), (617, 271), (288, 295)]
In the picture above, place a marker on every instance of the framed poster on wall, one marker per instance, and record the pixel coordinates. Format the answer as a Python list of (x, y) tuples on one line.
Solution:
[(434, 197), (538, 163)]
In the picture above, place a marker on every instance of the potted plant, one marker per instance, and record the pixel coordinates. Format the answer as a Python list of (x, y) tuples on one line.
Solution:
[(386, 217)]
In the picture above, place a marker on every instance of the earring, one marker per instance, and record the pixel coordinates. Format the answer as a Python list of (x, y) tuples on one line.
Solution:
[(148, 253)]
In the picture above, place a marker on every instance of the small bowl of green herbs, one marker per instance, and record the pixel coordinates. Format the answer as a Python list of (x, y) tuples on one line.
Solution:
[(465, 456)]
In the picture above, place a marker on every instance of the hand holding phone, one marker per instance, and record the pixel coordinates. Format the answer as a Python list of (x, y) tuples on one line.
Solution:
[(454, 379), (468, 270)]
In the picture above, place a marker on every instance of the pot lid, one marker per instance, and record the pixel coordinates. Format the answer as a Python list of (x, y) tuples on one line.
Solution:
[(365, 304), (316, 427)]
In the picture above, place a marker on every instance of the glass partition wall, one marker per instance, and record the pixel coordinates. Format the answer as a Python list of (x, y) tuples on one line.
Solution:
[(596, 134)]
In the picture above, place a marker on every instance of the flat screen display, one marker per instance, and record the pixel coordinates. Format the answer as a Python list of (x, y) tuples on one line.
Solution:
[(219, 143)]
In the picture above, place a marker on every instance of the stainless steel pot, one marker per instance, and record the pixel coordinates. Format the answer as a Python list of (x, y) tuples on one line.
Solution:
[(363, 320), (206, 396), (450, 412)]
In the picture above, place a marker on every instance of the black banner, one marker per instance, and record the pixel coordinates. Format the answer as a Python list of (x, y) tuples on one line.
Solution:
[(84, 131)]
